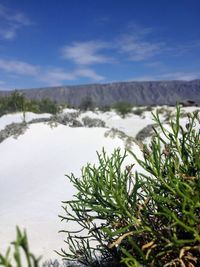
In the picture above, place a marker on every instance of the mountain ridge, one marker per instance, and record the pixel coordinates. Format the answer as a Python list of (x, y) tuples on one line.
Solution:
[(135, 92)]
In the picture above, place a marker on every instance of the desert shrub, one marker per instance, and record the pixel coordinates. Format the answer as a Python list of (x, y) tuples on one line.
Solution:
[(123, 108), (47, 106), (145, 133), (3, 105), (14, 102), (17, 102), (147, 218), (104, 108), (86, 103), (93, 122), (140, 110), (21, 255)]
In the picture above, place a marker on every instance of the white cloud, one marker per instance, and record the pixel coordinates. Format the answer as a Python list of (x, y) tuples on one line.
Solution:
[(51, 76), (11, 16), (137, 48), (7, 34), (86, 53), (183, 49), (139, 44), (4, 86), (89, 73), (11, 22), (55, 76), (183, 76), (144, 78), (59, 76), (18, 67)]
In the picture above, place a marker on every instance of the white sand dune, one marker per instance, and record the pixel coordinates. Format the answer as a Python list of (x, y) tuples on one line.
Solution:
[(32, 168), (32, 181), (18, 117)]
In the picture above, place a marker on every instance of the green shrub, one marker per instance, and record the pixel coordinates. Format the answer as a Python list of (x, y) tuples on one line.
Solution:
[(140, 110), (86, 103), (150, 218), (104, 108), (14, 102), (123, 108), (21, 255), (47, 106), (17, 102)]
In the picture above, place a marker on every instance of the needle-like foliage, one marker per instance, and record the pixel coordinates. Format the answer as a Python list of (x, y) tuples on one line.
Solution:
[(150, 218)]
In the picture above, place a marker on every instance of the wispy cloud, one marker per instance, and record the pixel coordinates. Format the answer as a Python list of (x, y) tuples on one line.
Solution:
[(102, 20), (183, 76), (86, 53), (10, 22), (138, 44), (18, 67), (183, 49), (138, 50), (51, 76), (4, 86), (59, 76), (89, 73)]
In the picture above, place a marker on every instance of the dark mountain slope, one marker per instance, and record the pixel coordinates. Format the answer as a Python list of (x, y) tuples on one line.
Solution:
[(137, 93)]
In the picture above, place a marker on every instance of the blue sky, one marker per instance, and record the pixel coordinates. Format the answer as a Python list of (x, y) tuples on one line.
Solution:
[(66, 42)]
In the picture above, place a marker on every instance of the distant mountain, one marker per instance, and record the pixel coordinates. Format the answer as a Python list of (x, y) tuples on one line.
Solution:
[(137, 93)]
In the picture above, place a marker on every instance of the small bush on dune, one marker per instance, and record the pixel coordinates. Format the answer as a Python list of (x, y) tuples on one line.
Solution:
[(150, 218), (123, 108), (105, 108), (86, 104), (17, 102)]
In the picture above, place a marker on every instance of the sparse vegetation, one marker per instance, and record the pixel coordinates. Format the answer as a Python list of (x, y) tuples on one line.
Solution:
[(123, 108), (140, 110), (17, 102), (146, 132), (105, 108), (86, 104)]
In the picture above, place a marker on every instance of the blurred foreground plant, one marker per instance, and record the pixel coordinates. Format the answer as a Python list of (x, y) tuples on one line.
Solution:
[(150, 218), (21, 254)]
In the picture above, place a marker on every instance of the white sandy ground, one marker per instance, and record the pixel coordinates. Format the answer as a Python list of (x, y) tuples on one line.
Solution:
[(32, 168), (132, 123), (18, 117), (32, 181)]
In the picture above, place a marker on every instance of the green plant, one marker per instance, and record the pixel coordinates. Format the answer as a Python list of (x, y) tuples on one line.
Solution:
[(86, 103), (21, 255), (123, 108), (47, 106), (17, 102), (104, 108), (151, 218), (140, 110)]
